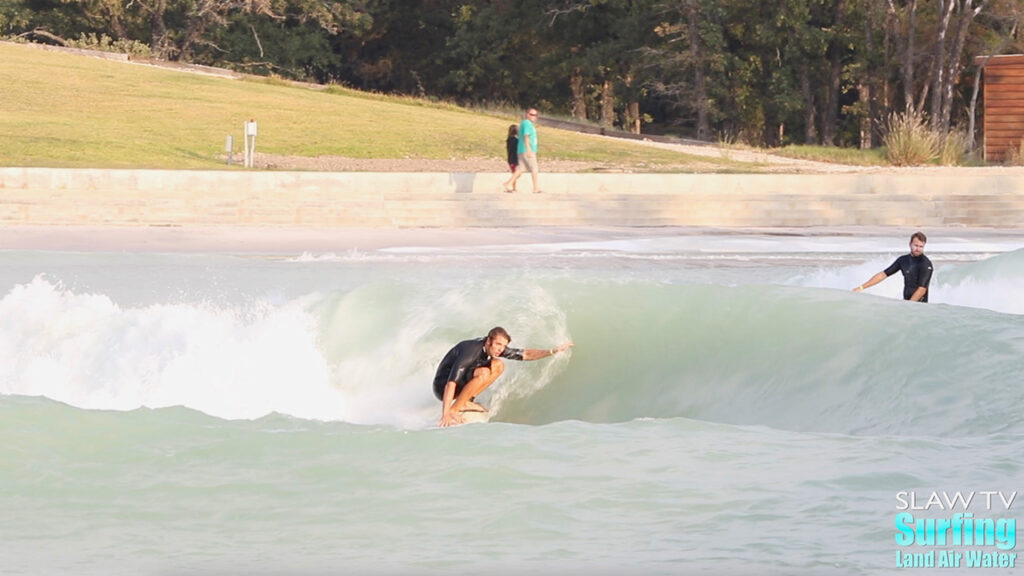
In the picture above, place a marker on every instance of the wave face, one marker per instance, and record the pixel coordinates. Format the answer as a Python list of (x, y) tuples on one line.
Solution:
[(730, 407), (751, 338)]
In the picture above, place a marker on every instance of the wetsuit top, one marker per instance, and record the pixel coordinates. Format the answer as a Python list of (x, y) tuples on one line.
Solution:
[(917, 272), (462, 360)]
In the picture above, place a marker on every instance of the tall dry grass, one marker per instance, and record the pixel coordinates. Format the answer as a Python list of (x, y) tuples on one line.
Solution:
[(953, 150), (909, 140), (1015, 156)]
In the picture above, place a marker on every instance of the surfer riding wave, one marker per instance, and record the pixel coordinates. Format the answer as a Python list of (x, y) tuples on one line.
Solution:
[(473, 365)]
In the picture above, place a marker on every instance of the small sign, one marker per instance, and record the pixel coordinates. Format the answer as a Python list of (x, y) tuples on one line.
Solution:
[(250, 143)]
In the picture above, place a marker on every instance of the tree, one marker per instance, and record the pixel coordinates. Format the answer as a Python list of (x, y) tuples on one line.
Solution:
[(604, 39), (999, 34), (966, 12)]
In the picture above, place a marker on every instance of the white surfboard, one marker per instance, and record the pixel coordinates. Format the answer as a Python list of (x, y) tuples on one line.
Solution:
[(475, 417)]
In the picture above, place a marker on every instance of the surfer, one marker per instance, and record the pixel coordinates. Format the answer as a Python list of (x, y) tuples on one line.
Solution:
[(916, 268), (473, 365)]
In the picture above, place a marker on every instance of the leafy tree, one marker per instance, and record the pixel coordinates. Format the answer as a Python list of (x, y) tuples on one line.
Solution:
[(767, 72), (494, 52)]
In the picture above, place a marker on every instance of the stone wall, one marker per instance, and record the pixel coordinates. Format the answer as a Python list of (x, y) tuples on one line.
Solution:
[(927, 198)]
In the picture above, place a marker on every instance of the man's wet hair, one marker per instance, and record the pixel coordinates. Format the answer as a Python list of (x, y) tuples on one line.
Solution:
[(498, 331)]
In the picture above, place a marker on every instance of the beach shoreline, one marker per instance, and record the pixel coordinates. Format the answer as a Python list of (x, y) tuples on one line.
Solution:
[(298, 240)]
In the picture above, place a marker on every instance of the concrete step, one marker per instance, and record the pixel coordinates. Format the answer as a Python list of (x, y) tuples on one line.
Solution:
[(238, 198)]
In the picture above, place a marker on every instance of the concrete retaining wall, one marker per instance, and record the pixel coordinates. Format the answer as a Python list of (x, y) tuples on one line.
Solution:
[(926, 198)]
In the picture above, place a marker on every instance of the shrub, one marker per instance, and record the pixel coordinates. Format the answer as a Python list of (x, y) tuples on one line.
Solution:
[(954, 148), (104, 43), (909, 140), (1015, 156)]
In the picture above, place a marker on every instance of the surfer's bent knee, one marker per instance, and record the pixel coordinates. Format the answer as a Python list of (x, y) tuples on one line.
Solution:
[(497, 366)]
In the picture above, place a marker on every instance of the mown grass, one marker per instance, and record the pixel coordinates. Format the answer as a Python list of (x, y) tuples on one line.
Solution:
[(66, 110), (831, 154)]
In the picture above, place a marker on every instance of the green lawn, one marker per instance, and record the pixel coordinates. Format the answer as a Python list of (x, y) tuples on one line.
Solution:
[(66, 110), (834, 155)]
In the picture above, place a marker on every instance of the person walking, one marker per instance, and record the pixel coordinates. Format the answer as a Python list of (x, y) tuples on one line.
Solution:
[(512, 149), (527, 153)]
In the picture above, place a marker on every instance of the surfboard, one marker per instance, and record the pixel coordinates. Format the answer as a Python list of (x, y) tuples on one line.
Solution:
[(475, 417)]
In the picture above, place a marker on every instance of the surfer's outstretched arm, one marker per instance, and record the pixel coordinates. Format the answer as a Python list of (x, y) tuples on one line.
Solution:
[(872, 281), (537, 354)]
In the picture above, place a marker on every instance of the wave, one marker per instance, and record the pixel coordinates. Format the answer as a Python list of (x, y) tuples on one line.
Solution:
[(992, 283), (789, 358), (802, 356)]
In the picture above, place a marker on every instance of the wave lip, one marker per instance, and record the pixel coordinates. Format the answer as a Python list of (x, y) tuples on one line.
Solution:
[(87, 351)]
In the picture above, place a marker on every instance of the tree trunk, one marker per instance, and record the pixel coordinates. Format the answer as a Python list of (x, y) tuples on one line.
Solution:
[(953, 66), (810, 110), (160, 44), (633, 117), (938, 67), (607, 103), (44, 34), (905, 50), (631, 122), (699, 79), (972, 112), (579, 100), (908, 70), (111, 15), (830, 123), (870, 139), (887, 41), (864, 94)]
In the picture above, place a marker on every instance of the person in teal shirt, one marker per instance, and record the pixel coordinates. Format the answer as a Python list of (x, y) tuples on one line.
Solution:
[(527, 152)]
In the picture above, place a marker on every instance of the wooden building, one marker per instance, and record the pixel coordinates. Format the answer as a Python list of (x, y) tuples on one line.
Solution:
[(1003, 110)]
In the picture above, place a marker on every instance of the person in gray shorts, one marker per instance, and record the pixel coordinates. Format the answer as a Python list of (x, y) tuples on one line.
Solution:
[(527, 153)]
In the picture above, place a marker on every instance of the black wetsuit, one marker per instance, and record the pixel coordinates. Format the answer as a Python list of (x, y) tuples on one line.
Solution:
[(462, 360), (917, 272)]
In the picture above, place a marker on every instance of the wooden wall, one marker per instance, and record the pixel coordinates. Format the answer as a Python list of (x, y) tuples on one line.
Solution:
[(1003, 125)]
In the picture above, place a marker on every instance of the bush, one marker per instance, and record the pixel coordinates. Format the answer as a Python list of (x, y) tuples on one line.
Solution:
[(1015, 156), (909, 140), (104, 43), (954, 149)]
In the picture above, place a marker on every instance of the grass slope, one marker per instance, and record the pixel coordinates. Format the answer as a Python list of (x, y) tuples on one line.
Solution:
[(66, 110)]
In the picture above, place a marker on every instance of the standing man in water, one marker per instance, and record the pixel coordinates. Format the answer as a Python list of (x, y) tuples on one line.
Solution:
[(916, 268), (473, 365)]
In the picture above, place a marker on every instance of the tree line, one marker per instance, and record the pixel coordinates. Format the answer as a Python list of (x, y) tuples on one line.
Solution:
[(764, 72)]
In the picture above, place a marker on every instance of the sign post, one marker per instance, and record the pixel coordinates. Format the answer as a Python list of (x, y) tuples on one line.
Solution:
[(250, 143), (229, 147)]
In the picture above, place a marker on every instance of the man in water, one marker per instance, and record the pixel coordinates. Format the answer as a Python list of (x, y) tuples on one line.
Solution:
[(473, 365), (916, 268)]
